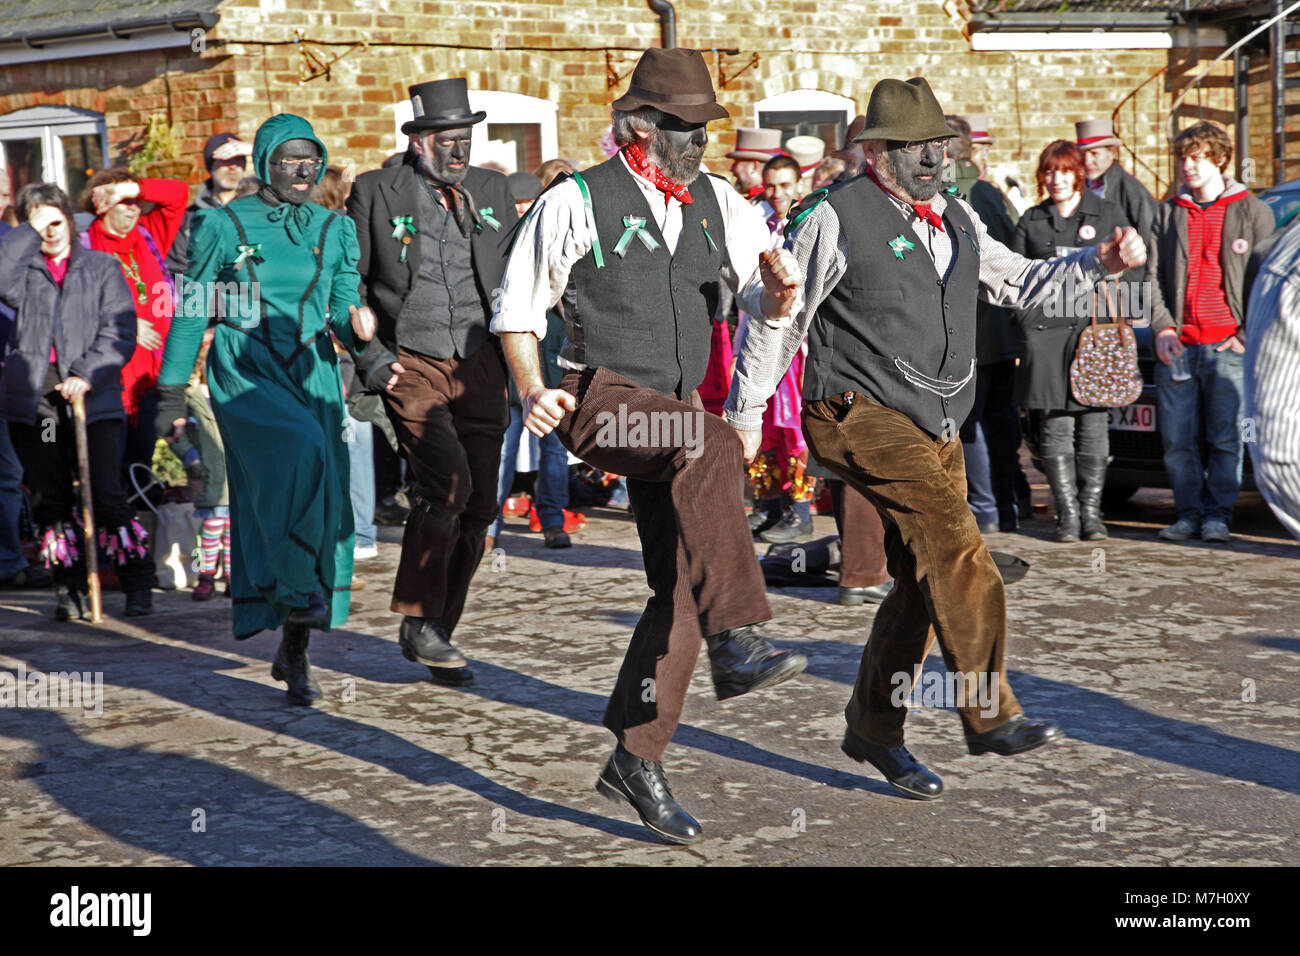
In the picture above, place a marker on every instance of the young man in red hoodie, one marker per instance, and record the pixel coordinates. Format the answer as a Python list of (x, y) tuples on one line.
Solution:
[(1203, 238)]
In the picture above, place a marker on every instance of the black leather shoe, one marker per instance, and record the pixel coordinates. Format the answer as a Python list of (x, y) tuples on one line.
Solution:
[(292, 667), (1015, 736), (425, 641), (742, 660), (903, 771), (315, 614), (790, 528), (139, 603), (760, 520), (872, 595), (643, 784), (451, 676)]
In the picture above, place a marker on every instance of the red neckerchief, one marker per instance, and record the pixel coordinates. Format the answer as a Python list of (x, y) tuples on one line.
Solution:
[(636, 159), (754, 192), (922, 209)]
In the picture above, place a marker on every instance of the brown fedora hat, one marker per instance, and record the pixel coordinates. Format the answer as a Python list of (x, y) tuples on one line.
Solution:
[(676, 82), (904, 110)]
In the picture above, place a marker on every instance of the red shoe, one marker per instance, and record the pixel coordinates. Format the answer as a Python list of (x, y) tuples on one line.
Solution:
[(573, 521), (205, 589), (518, 506)]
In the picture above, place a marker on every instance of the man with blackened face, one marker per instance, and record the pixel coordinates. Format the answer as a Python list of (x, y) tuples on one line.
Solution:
[(894, 269), (433, 234), (639, 292)]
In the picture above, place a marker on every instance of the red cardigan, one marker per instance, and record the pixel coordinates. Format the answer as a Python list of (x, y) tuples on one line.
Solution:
[(169, 197)]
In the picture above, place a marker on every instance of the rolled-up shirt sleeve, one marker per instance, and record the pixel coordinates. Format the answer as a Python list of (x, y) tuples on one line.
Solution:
[(551, 239), (1008, 278), (821, 253)]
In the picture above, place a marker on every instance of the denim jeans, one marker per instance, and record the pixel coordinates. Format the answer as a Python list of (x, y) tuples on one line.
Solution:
[(11, 505), (360, 438), (552, 474), (1203, 491)]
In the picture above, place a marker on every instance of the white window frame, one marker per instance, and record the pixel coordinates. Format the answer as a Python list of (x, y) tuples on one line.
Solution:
[(501, 107), (807, 101), (48, 124)]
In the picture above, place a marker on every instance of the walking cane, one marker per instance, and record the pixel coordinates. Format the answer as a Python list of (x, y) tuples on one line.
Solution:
[(87, 510)]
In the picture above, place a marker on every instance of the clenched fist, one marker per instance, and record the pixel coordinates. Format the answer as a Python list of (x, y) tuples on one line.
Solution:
[(781, 280), (363, 322), (1124, 250)]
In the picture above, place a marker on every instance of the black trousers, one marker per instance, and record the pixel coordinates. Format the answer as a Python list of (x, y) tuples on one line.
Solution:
[(48, 452)]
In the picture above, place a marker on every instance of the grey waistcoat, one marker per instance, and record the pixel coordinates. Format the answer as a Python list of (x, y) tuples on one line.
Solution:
[(891, 329), (646, 315), (444, 314)]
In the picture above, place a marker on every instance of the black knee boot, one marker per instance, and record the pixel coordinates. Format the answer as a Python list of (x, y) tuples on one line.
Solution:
[(292, 667), (1092, 479), (1059, 470)]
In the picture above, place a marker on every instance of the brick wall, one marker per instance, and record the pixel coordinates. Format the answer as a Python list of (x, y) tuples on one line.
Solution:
[(252, 66)]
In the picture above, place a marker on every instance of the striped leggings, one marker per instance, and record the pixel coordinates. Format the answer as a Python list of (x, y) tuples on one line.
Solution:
[(214, 537)]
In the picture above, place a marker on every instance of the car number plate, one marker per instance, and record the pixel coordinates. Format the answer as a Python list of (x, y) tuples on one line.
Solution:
[(1133, 418)]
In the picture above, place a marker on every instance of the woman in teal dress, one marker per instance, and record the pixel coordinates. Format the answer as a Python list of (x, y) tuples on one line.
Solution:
[(278, 274)]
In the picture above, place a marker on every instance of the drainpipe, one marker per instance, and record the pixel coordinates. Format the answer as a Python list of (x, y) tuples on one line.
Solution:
[(667, 22)]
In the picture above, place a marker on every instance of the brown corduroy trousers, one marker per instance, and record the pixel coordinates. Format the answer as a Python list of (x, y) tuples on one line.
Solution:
[(687, 494), (945, 582), (450, 416), (862, 538)]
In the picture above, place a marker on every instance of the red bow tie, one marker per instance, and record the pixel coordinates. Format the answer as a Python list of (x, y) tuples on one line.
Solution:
[(636, 159), (922, 209), (1096, 183)]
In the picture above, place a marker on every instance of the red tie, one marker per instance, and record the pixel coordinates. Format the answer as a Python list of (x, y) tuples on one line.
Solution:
[(922, 209), (640, 165)]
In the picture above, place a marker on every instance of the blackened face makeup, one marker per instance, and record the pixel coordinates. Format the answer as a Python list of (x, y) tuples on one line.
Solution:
[(444, 154), (677, 148), (917, 169), (294, 165)]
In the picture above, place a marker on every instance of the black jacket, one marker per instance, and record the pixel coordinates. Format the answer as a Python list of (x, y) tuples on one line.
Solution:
[(377, 198), (90, 320), (1048, 342), (1138, 205)]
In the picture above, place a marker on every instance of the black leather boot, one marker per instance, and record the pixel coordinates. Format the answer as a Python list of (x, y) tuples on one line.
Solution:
[(1092, 479), (642, 783), (1059, 470), (292, 667)]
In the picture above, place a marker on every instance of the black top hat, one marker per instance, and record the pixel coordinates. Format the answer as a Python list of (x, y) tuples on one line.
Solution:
[(441, 104)]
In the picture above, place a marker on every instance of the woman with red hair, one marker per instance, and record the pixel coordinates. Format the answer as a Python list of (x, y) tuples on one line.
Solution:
[(1071, 438)]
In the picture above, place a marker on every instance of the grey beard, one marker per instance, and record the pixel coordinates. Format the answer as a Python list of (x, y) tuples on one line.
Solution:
[(677, 167)]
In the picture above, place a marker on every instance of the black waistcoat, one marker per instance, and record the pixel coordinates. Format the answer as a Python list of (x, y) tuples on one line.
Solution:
[(891, 328), (646, 315)]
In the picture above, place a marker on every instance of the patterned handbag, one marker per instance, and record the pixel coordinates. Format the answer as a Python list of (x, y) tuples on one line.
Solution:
[(1104, 373)]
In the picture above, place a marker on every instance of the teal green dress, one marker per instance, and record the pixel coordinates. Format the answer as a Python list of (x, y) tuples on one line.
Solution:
[(276, 394)]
